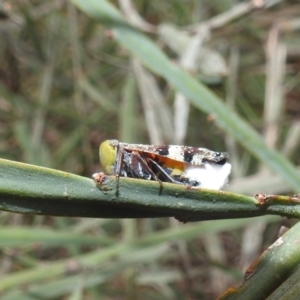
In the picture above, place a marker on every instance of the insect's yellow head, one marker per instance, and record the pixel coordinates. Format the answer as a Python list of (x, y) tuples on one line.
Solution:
[(108, 155)]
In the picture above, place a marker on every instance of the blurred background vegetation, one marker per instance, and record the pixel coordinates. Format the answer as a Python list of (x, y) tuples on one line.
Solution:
[(66, 85)]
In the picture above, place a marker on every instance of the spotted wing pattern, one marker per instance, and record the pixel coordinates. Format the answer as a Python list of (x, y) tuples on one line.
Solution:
[(184, 154)]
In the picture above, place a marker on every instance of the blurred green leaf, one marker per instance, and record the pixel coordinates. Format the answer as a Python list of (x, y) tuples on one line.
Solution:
[(24, 236), (145, 249), (271, 275)]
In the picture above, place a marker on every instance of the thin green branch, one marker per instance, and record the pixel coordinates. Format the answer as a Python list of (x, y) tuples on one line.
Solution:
[(36, 190)]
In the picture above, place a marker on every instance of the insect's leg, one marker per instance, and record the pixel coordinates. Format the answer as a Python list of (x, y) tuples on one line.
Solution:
[(163, 172), (182, 179), (189, 183), (119, 166), (137, 169), (136, 158)]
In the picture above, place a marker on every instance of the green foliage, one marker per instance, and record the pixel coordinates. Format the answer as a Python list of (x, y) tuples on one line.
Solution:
[(70, 79)]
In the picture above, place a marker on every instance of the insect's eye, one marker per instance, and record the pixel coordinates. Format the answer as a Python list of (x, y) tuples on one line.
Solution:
[(217, 154)]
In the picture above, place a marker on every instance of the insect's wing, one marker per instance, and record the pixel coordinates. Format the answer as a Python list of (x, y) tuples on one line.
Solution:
[(185, 154)]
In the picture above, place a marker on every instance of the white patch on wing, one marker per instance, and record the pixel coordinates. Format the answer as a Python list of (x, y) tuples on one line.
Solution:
[(176, 152), (209, 175)]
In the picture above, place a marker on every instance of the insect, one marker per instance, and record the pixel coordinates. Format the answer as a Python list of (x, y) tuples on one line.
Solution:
[(194, 167)]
